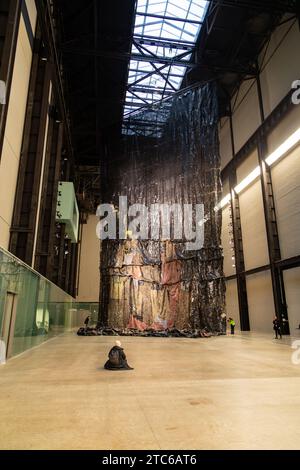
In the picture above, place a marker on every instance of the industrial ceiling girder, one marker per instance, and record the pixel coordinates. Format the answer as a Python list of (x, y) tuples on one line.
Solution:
[(126, 56)]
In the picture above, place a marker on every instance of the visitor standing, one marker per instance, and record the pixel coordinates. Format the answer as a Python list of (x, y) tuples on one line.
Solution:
[(86, 321), (232, 325), (277, 328)]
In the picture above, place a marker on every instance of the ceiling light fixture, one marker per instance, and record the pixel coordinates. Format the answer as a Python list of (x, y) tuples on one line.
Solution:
[(287, 145), (248, 180), (226, 200)]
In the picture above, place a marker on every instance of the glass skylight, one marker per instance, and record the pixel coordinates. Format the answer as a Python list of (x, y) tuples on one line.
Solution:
[(165, 33)]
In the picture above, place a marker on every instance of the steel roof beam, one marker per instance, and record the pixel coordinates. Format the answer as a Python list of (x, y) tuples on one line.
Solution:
[(139, 122), (152, 39), (125, 56), (275, 6), (147, 71), (148, 89), (171, 18), (135, 105), (136, 96), (164, 44), (141, 48)]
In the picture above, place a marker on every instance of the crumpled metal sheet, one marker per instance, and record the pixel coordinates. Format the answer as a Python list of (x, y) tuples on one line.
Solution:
[(149, 332)]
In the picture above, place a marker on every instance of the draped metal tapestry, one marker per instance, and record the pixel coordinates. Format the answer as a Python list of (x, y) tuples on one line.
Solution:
[(154, 283)]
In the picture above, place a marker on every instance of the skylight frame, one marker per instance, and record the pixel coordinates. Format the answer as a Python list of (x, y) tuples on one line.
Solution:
[(154, 67)]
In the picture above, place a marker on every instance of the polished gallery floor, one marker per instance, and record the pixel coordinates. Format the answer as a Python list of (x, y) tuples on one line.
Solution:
[(239, 392)]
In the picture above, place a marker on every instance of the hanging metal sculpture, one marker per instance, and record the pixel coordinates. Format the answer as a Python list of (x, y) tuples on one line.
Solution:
[(155, 283)]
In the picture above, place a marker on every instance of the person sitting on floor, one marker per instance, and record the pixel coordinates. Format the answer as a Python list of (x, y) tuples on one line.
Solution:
[(117, 359)]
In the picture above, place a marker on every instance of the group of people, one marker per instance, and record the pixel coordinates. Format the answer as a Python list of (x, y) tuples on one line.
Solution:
[(276, 327)]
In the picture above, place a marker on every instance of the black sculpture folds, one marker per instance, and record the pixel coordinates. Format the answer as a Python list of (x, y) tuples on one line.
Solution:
[(155, 282)]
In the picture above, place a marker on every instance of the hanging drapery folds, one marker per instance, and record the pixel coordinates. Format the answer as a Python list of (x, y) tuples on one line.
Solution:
[(164, 269)]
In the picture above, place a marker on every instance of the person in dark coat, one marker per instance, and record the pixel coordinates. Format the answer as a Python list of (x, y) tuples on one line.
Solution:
[(117, 359), (276, 328), (86, 321)]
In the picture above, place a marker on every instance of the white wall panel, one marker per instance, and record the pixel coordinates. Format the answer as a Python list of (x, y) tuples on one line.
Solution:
[(32, 13), (284, 129), (10, 157), (260, 302), (232, 302), (292, 292), (253, 227), (4, 233), (89, 275), (286, 187), (246, 115), (225, 142), (8, 179), (283, 65), (247, 166)]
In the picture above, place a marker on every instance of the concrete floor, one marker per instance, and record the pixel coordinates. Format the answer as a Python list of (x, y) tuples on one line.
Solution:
[(238, 392)]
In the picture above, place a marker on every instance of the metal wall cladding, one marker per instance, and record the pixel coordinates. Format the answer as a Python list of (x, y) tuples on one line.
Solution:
[(157, 283)]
